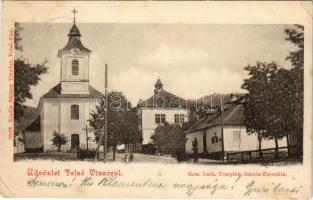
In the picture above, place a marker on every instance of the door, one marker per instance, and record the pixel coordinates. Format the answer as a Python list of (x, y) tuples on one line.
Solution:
[(74, 141), (204, 142)]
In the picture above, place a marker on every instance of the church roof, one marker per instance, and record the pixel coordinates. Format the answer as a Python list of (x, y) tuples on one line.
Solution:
[(73, 41), (30, 115), (233, 115), (34, 126), (55, 92)]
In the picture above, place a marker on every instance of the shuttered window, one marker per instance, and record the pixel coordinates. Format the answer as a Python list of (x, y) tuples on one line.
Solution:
[(75, 67), (236, 136)]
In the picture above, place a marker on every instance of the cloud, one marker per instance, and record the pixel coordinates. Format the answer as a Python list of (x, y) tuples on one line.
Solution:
[(169, 57), (138, 83), (135, 83)]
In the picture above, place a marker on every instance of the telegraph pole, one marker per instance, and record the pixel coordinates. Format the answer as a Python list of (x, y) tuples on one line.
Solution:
[(105, 129), (222, 129), (87, 138)]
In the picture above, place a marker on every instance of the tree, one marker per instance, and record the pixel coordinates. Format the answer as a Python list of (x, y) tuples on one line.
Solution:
[(274, 103), (169, 139), (59, 139), (17, 37), (257, 101), (295, 35), (25, 76), (123, 122)]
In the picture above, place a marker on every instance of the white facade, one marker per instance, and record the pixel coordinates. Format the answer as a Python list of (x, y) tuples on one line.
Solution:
[(162, 107), (66, 108), (75, 83), (56, 116), (148, 120), (235, 139)]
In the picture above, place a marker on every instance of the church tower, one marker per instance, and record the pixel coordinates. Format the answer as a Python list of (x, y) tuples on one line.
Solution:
[(74, 64), (66, 107)]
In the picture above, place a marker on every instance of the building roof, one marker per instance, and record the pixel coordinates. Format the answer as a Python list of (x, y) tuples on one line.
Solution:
[(34, 126), (163, 99), (30, 114), (55, 92), (233, 115), (73, 41)]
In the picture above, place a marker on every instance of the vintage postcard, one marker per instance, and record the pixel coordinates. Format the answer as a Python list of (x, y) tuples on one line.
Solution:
[(150, 99)]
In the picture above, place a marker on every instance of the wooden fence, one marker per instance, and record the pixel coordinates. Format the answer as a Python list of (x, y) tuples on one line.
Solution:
[(254, 154)]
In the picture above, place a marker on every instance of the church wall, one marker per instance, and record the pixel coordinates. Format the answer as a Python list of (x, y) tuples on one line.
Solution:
[(66, 63), (50, 122), (58, 117), (75, 84)]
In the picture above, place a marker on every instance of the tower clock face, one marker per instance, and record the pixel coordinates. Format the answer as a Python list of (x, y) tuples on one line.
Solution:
[(75, 51)]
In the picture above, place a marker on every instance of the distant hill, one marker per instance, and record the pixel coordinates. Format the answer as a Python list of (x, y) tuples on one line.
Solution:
[(30, 114), (213, 100)]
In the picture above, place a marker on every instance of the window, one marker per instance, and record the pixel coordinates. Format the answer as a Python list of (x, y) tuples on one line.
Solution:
[(162, 118), (182, 118), (75, 67), (159, 118), (176, 118), (214, 139), (236, 136), (74, 112), (179, 118)]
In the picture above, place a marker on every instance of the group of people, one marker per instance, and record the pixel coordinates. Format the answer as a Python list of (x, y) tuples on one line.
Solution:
[(129, 157)]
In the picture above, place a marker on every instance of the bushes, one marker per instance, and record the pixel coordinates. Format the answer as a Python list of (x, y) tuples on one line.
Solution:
[(169, 139), (181, 155), (84, 153)]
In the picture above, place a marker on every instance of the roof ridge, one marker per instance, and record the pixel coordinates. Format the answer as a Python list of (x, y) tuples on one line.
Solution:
[(153, 101), (228, 118)]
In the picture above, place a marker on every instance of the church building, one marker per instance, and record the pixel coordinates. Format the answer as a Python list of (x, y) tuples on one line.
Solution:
[(66, 107)]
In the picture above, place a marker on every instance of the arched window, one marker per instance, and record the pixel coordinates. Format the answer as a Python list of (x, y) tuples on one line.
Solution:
[(74, 112), (75, 67)]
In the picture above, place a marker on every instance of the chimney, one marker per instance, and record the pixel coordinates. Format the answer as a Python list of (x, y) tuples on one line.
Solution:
[(233, 97)]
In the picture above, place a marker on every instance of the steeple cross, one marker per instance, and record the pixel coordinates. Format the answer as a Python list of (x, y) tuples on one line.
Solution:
[(74, 11)]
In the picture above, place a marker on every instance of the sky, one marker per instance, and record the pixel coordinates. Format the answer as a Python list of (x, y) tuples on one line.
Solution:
[(192, 60)]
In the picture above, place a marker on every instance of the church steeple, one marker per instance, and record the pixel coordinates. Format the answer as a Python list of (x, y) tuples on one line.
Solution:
[(74, 41), (74, 12), (74, 63)]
